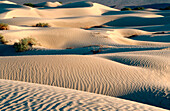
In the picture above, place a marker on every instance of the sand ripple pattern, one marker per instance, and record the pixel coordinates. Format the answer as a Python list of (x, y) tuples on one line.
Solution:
[(91, 74), (16, 95)]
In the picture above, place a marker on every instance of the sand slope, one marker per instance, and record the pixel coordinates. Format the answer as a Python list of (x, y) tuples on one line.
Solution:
[(66, 71), (25, 96), (75, 38), (57, 38), (47, 12), (118, 4)]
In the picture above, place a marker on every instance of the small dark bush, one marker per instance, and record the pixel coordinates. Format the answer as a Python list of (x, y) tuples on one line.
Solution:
[(4, 26), (126, 9), (24, 44), (29, 4), (42, 25), (139, 8)]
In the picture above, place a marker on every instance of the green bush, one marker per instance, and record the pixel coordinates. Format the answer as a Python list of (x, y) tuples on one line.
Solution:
[(29, 4), (126, 9), (4, 26), (139, 8), (42, 25), (2, 40), (24, 44)]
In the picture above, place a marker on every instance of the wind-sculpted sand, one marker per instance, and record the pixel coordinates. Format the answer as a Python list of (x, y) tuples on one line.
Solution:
[(90, 74), (19, 95), (87, 47)]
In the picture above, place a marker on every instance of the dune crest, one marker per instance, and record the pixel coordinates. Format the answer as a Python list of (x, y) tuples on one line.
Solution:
[(48, 4)]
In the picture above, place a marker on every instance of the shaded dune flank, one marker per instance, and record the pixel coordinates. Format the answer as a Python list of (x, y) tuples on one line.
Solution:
[(90, 74)]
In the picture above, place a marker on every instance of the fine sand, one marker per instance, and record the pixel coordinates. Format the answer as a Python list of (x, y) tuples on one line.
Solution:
[(88, 48), (19, 95)]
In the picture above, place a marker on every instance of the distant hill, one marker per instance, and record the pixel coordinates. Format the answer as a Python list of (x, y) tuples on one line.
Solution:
[(117, 3)]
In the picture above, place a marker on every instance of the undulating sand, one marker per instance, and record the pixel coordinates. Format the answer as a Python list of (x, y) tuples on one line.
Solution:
[(19, 95), (92, 57), (113, 3)]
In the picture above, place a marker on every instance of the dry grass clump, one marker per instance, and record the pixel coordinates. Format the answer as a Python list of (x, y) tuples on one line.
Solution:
[(126, 9), (139, 8), (129, 9), (4, 26), (2, 40), (24, 44), (41, 25)]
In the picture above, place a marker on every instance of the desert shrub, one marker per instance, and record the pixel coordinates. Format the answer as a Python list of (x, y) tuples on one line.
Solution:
[(42, 25), (29, 4), (139, 8), (166, 8), (2, 40), (126, 9), (4, 26), (24, 44)]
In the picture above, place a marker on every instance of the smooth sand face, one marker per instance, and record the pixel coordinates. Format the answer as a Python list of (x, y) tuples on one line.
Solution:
[(88, 47)]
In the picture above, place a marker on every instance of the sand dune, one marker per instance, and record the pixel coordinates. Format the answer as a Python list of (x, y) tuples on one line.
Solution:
[(118, 4), (153, 62), (138, 21), (57, 38), (48, 4), (66, 71), (47, 12), (7, 2), (88, 47), (26, 96)]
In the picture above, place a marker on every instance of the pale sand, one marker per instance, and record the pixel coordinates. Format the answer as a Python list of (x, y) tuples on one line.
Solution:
[(133, 62), (93, 74), (19, 95), (118, 4)]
